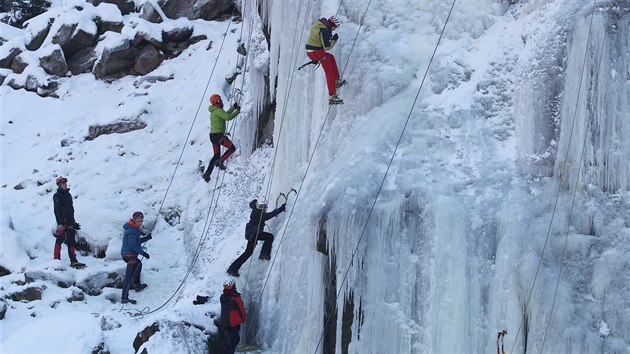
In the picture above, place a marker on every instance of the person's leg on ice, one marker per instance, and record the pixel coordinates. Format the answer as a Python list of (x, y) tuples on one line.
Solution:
[(238, 263), (265, 252), (57, 249), (234, 338), (216, 149), (329, 65), (230, 150), (132, 263)]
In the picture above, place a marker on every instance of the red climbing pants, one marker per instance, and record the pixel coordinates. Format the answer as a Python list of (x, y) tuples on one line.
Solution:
[(330, 68)]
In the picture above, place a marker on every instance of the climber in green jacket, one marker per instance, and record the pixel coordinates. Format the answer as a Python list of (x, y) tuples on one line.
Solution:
[(218, 119)]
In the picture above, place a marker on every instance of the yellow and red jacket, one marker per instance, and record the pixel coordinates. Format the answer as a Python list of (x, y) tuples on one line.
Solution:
[(320, 36)]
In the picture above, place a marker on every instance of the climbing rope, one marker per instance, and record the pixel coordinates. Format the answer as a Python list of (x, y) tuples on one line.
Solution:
[(577, 175), (391, 160), (146, 310), (557, 197)]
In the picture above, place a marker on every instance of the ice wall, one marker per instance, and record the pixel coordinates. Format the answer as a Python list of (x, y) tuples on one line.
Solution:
[(449, 252)]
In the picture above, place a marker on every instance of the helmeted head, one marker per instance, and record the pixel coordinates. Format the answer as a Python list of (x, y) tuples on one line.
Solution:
[(216, 100), (333, 22), (137, 217), (261, 203), (60, 180), (229, 284)]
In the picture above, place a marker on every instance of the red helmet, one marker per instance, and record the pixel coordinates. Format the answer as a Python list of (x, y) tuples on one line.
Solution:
[(60, 179), (137, 215), (334, 21), (216, 100)]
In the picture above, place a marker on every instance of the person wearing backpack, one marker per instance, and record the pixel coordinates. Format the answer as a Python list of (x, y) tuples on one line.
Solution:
[(218, 120), (254, 232), (232, 314), (66, 225)]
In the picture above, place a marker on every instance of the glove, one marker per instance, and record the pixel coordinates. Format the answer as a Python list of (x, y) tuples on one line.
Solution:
[(59, 231), (335, 37), (146, 255), (77, 226), (148, 236), (282, 207), (236, 106)]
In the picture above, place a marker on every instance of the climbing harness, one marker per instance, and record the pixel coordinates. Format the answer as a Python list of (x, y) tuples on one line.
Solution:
[(312, 62), (285, 196), (500, 336)]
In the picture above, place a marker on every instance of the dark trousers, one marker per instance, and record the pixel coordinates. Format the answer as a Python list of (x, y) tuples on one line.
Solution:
[(68, 238), (132, 275), (251, 244), (217, 140), (233, 339)]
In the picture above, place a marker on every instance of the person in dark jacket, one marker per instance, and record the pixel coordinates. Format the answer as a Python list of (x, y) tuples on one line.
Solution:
[(232, 315), (131, 249), (218, 122), (320, 41), (254, 232), (66, 225)]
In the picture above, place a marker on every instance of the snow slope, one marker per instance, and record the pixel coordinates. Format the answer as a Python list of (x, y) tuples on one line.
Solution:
[(505, 205)]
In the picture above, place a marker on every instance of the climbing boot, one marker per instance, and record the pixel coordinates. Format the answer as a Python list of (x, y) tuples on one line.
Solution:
[(264, 257), (340, 82), (233, 272), (129, 301), (334, 99), (220, 165)]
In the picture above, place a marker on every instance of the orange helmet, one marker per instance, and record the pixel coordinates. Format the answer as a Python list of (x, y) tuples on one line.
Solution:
[(216, 99)]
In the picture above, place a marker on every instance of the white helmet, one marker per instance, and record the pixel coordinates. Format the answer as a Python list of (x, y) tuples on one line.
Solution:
[(229, 284), (261, 203)]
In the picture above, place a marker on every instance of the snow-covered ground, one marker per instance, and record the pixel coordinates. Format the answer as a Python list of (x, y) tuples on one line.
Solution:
[(491, 214)]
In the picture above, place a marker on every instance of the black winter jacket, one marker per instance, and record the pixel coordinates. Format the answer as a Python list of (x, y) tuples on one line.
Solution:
[(257, 219), (64, 211)]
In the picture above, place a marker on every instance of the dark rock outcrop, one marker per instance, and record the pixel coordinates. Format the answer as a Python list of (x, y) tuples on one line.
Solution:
[(144, 335), (125, 6), (4, 271), (54, 63), (123, 126), (94, 285), (35, 40), (116, 61), (27, 295), (18, 64), (200, 9), (83, 61), (150, 13), (5, 62), (72, 39), (147, 60)]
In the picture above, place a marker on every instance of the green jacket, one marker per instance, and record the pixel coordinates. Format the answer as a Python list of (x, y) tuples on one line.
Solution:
[(320, 37), (218, 117)]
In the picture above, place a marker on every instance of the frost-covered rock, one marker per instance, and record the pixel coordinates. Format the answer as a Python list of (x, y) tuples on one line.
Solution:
[(125, 6), (35, 35), (147, 60), (116, 61), (83, 61), (7, 56), (94, 284), (54, 63), (72, 38), (61, 279), (150, 13), (199, 9), (27, 295)]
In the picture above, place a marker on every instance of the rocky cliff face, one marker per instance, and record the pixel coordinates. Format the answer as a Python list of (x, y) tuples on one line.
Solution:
[(94, 37)]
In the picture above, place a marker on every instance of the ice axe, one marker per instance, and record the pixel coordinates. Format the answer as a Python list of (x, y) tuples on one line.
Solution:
[(285, 196)]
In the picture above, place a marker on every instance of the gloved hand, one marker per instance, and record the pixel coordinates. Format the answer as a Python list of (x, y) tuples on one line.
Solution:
[(77, 226), (148, 236), (335, 37), (236, 106), (146, 255), (283, 207), (59, 231)]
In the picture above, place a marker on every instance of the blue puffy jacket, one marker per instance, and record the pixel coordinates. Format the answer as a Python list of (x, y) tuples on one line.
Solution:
[(132, 242)]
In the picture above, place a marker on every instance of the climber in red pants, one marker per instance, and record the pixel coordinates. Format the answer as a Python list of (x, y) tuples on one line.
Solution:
[(320, 41)]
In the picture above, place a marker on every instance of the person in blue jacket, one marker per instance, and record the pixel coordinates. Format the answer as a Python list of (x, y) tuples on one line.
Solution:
[(131, 249)]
